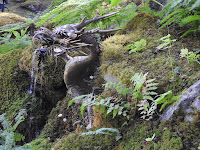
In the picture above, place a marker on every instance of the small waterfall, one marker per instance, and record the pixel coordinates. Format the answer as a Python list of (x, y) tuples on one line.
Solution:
[(34, 75), (34, 72), (41, 85)]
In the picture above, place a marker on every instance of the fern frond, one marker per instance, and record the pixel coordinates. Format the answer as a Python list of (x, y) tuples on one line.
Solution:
[(19, 118), (190, 30), (195, 5), (107, 131), (189, 19), (171, 14), (175, 3)]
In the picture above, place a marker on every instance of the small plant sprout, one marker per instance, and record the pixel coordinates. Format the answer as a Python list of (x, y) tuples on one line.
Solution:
[(190, 56), (166, 42), (150, 139), (137, 46)]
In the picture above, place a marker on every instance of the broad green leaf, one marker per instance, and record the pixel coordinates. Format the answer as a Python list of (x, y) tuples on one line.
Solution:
[(115, 2), (102, 109), (115, 112)]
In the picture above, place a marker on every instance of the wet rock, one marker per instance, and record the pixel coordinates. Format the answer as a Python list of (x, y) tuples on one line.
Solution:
[(34, 6), (188, 105), (20, 0)]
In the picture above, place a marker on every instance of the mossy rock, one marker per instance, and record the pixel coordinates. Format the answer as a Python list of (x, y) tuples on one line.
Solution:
[(10, 18), (33, 5), (95, 142), (53, 68), (41, 144), (15, 79), (14, 82), (56, 126), (160, 64)]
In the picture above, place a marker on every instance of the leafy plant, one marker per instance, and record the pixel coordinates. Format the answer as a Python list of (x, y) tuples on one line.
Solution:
[(72, 11), (137, 46), (145, 92), (127, 99), (190, 56), (166, 42), (107, 131), (115, 2), (21, 40), (7, 135), (150, 139), (182, 12)]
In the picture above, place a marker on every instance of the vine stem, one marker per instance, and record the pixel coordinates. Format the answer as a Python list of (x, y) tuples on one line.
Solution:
[(158, 3)]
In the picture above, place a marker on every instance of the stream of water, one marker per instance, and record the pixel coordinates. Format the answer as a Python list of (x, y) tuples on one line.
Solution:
[(34, 72)]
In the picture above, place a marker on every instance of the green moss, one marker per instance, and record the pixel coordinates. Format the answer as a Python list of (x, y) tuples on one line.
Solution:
[(141, 22), (170, 141), (14, 82), (76, 142), (55, 125), (160, 64), (53, 68), (10, 18), (41, 144)]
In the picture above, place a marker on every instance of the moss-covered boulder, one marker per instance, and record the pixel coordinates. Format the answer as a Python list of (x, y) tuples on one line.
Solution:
[(75, 141), (15, 78), (14, 82), (10, 18), (165, 65)]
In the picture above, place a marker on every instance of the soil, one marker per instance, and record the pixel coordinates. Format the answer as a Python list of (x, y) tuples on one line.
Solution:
[(15, 7)]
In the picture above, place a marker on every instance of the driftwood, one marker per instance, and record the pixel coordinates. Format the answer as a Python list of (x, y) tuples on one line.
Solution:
[(66, 39)]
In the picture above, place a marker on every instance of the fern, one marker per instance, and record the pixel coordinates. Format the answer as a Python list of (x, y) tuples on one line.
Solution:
[(20, 41), (7, 135), (179, 12), (120, 88), (106, 131), (70, 12), (145, 94), (189, 19), (142, 95)]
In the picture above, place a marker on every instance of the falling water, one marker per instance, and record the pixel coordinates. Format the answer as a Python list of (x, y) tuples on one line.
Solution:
[(41, 79), (34, 72)]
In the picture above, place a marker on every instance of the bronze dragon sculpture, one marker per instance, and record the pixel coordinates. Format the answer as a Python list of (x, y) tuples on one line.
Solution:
[(67, 39)]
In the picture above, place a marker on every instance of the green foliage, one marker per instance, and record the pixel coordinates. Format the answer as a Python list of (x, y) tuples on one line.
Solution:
[(40, 144), (145, 92), (126, 100), (147, 9), (150, 139), (120, 88), (137, 46), (115, 2), (21, 41), (190, 56), (70, 12), (166, 42), (7, 135), (107, 131), (182, 12)]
